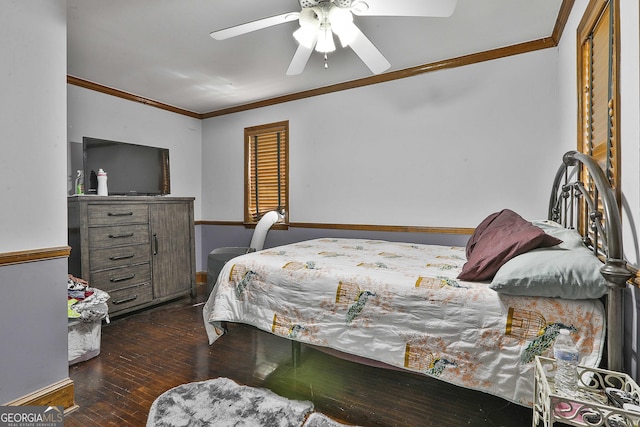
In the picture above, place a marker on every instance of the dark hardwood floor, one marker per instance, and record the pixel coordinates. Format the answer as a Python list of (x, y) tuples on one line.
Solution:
[(146, 353)]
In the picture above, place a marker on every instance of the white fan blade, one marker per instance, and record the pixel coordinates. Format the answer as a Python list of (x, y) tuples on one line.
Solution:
[(254, 25), (300, 59), (425, 8), (369, 54)]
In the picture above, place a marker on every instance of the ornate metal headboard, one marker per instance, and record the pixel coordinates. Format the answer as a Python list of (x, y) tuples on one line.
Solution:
[(582, 198)]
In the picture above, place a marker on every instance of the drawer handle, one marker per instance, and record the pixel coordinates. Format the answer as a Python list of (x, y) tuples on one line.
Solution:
[(119, 236), (122, 301), (119, 257), (120, 214), (120, 279)]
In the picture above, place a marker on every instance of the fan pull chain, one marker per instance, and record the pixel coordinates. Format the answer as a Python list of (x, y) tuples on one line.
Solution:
[(326, 64)]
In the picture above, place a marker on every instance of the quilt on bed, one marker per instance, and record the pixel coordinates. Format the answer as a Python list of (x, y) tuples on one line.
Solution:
[(401, 304)]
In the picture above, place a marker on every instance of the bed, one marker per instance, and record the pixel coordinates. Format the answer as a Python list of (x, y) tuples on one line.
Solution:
[(473, 316)]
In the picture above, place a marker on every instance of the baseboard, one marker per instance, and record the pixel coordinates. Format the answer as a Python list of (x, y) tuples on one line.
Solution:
[(201, 278), (57, 394)]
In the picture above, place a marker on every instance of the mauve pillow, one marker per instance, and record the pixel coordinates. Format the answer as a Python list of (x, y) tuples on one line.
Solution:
[(498, 238), (475, 237)]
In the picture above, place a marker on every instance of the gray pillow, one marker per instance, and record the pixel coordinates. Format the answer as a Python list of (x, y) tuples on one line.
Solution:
[(569, 270)]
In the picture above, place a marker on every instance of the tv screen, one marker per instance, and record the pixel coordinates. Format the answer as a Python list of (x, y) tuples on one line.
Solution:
[(131, 169)]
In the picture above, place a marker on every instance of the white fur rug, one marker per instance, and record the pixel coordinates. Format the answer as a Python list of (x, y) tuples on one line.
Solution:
[(222, 402)]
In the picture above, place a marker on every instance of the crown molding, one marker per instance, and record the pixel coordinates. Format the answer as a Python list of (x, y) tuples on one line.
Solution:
[(129, 96)]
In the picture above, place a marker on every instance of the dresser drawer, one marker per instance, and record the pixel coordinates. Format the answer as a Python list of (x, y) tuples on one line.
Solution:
[(102, 259), (129, 297), (117, 278), (109, 237), (117, 214)]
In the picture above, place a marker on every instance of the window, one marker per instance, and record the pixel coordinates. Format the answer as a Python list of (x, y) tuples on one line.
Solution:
[(598, 94), (266, 170), (598, 98)]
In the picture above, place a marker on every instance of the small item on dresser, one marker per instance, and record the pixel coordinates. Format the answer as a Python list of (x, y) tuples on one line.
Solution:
[(102, 183), (566, 354), (79, 182)]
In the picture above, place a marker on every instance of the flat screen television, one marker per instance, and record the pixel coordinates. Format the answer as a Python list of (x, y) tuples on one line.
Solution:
[(132, 170)]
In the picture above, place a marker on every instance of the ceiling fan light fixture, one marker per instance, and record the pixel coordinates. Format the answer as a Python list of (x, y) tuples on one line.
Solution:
[(342, 24), (305, 37), (325, 42), (309, 26)]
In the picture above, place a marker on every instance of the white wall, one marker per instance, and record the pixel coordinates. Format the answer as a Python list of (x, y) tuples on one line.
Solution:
[(33, 319), (630, 169), (94, 114), (441, 149), (32, 125)]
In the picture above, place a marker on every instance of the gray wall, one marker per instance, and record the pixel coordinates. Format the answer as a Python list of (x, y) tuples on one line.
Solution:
[(33, 299)]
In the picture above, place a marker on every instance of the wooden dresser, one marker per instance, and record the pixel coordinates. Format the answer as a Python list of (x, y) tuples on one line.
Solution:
[(140, 250)]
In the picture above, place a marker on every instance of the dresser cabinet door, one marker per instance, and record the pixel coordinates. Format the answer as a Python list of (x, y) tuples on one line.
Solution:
[(171, 248)]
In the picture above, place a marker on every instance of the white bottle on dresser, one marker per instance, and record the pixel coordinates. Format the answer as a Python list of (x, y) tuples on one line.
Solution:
[(102, 183)]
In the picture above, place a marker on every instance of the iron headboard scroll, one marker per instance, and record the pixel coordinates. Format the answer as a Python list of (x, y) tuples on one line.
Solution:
[(602, 233)]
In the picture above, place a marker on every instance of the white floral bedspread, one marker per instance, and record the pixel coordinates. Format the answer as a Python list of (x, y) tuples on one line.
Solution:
[(401, 304)]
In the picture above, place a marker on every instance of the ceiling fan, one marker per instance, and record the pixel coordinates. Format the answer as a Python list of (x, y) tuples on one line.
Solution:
[(320, 19)]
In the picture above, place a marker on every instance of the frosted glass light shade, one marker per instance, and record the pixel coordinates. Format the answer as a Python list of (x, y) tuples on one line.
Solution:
[(325, 42), (342, 24), (309, 26)]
